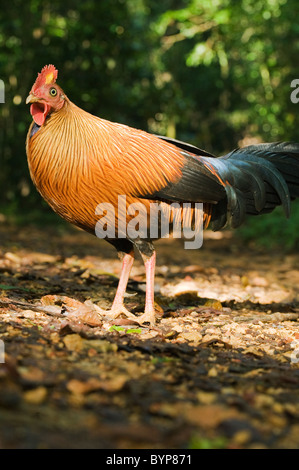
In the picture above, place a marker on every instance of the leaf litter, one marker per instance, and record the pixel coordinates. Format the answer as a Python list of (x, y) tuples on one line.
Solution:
[(220, 368)]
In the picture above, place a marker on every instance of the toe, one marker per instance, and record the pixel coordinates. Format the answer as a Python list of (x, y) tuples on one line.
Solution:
[(147, 317), (116, 312)]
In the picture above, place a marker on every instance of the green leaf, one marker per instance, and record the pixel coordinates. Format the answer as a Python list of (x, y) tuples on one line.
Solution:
[(5, 287), (133, 330), (116, 328), (222, 16), (205, 443)]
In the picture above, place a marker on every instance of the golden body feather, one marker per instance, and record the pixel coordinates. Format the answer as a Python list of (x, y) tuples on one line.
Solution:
[(77, 160)]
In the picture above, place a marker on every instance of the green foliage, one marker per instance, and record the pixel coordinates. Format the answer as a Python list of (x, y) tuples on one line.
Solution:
[(116, 328), (124, 330), (216, 74), (197, 442), (241, 58), (273, 230)]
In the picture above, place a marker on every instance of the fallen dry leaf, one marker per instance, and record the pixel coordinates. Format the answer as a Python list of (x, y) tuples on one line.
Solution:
[(210, 416)]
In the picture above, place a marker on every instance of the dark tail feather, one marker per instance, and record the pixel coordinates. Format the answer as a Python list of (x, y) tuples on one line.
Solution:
[(257, 179)]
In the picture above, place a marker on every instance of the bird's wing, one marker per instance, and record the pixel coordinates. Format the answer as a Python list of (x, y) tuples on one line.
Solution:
[(198, 182), (185, 146)]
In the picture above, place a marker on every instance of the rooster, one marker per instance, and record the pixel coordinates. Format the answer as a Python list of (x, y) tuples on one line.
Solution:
[(77, 161)]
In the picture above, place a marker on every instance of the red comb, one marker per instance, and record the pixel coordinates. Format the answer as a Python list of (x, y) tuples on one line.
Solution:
[(47, 76)]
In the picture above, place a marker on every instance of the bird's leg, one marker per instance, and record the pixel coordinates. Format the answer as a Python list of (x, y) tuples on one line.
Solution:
[(149, 311), (118, 302)]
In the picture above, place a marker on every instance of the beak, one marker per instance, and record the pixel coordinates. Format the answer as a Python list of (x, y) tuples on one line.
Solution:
[(31, 98)]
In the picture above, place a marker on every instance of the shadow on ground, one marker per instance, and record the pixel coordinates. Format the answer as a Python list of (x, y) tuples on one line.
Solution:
[(220, 370)]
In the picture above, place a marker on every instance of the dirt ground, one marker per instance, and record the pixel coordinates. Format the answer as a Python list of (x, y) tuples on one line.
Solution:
[(220, 369)]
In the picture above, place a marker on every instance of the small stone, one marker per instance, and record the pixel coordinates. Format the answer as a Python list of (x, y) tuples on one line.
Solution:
[(36, 396)]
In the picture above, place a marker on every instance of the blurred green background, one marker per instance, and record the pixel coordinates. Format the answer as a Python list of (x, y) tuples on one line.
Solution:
[(215, 73)]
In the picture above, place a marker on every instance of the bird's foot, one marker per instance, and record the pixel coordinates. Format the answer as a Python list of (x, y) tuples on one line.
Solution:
[(116, 311), (89, 312), (147, 317)]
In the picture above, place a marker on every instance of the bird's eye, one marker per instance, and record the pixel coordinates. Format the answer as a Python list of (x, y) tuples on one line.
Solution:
[(53, 91)]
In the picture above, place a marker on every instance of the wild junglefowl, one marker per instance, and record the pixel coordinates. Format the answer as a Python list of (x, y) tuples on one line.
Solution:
[(78, 161)]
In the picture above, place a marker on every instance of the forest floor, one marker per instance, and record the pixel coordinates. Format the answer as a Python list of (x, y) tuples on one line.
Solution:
[(219, 370)]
